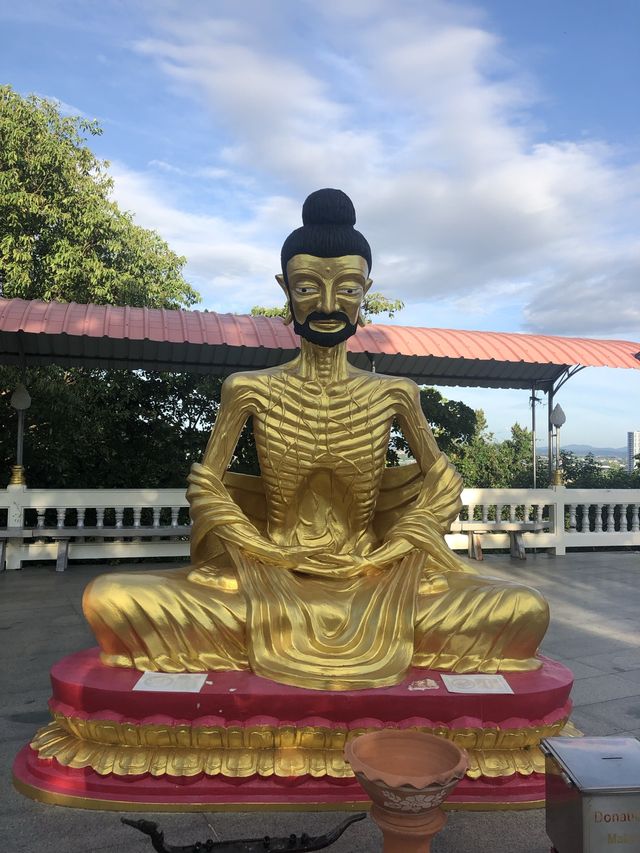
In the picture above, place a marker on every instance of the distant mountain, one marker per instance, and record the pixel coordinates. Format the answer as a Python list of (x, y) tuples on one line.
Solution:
[(583, 449)]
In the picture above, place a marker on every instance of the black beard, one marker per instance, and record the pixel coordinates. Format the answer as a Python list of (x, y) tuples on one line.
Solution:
[(325, 339)]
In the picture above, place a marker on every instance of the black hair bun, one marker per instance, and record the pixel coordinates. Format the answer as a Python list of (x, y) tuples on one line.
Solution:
[(328, 207)]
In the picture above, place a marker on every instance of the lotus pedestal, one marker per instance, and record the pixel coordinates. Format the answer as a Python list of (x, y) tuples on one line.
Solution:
[(246, 742)]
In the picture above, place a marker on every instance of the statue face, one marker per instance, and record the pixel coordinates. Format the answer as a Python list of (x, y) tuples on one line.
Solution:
[(325, 296)]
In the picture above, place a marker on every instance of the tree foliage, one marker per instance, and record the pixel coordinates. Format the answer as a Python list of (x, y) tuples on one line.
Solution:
[(114, 429), (376, 303), (262, 311), (587, 473), (61, 235), (62, 238), (453, 424), (484, 462)]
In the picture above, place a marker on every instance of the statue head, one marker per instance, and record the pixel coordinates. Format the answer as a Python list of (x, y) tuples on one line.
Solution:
[(325, 269)]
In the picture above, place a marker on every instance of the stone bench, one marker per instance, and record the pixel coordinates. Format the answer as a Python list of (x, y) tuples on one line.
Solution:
[(65, 535), (515, 529), (7, 533)]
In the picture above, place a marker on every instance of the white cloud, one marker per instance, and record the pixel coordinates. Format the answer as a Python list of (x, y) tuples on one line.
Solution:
[(230, 263), (417, 111)]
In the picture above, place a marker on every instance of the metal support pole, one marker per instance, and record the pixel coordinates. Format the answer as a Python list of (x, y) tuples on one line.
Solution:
[(550, 434), (20, 442), (533, 434)]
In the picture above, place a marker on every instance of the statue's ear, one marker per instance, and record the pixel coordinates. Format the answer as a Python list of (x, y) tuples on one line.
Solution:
[(368, 284), (283, 284), (288, 318)]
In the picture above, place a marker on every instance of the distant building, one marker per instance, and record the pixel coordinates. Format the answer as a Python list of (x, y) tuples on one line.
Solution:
[(633, 449)]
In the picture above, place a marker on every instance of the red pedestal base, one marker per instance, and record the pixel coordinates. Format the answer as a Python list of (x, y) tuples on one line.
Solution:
[(245, 742)]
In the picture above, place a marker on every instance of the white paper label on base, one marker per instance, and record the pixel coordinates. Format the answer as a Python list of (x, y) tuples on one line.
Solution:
[(171, 682), (476, 684)]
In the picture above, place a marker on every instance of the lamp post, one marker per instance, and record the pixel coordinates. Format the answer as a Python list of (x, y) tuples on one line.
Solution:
[(20, 401), (557, 418)]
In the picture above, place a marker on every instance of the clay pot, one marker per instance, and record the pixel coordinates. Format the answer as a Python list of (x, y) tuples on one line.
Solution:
[(407, 774)]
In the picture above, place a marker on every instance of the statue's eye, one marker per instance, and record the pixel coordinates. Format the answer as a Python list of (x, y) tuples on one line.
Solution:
[(305, 291), (350, 291)]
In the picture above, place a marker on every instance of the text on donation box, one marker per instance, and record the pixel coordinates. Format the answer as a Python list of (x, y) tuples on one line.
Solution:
[(612, 822)]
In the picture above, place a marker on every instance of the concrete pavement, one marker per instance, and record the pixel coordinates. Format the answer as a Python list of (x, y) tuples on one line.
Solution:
[(595, 630)]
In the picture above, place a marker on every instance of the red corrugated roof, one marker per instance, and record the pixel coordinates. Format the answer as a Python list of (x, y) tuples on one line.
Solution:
[(41, 332)]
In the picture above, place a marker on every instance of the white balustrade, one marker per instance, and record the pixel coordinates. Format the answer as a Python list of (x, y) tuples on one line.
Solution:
[(155, 515)]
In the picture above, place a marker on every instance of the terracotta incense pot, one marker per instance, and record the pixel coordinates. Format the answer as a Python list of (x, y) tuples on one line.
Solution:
[(407, 774)]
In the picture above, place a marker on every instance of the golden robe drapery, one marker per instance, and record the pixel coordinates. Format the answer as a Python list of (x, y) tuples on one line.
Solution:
[(228, 611)]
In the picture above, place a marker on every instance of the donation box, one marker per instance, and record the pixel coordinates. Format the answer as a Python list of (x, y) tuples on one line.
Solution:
[(593, 794)]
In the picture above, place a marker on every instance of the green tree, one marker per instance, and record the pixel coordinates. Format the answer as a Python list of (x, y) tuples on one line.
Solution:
[(115, 429), (453, 424), (485, 463), (62, 238), (581, 472), (61, 235), (261, 311), (587, 473), (376, 303)]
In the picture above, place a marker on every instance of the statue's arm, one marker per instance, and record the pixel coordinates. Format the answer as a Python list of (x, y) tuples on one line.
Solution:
[(438, 502), (212, 507), (414, 425), (417, 524), (236, 406)]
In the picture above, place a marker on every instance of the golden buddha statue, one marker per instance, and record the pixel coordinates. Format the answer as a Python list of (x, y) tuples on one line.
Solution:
[(330, 570)]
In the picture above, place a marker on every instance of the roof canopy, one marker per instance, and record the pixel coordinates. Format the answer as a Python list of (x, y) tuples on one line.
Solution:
[(34, 332)]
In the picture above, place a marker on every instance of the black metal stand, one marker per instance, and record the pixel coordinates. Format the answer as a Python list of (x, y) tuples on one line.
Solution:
[(289, 844)]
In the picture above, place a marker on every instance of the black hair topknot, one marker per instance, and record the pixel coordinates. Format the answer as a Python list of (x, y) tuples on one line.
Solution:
[(328, 207), (328, 216)]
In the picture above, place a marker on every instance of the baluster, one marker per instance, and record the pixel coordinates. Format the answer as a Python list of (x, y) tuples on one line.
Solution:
[(80, 511), (499, 513), (40, 517), (137, 512), (119, 511), (539, 508), (598, 524), (611, 518), (624, 524), (572, 517), (174, 515), (60, 513), (635, 518), (100, 516), (512, 512), (156, 516), (471, 510), (485, 513), (586, 524)]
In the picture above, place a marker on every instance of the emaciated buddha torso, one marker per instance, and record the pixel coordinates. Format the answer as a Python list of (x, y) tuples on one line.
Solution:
[(322, 448)]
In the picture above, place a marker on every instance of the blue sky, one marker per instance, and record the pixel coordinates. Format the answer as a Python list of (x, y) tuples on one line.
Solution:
[(492, 150)]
